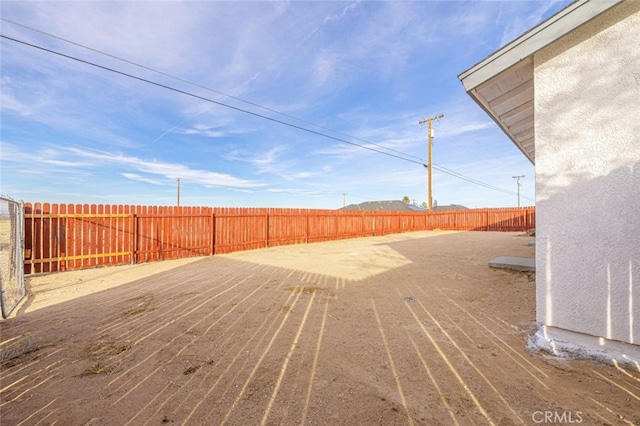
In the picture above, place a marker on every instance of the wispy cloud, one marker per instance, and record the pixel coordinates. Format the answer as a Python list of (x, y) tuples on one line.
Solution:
[(166, 169), (516, 24), (77, 158), (12, 105), (137, 177), (468, 128), (328, 19), (207, 132), (273, 162), (294, 191), (366, 69)]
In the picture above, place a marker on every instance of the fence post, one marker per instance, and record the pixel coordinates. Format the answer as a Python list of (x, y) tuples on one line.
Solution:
[(78, 228), (134, 238), (373, 225), (213, 232), (266, 232)]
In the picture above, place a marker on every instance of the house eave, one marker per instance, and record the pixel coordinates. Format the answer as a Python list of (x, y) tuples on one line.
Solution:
[(502, 83)]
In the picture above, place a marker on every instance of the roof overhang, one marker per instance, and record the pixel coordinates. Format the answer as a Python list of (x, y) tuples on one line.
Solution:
[(502, 84)]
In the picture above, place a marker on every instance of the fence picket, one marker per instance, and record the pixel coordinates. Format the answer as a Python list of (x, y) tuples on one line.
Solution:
[(68, 237)]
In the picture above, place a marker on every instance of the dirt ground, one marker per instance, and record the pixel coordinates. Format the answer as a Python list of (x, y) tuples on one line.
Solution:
[(401, 329)]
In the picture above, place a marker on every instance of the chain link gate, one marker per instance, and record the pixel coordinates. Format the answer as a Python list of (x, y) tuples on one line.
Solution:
[(12, 288)]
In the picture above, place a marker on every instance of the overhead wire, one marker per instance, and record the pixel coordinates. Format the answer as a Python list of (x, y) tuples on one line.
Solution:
[(405, 156), (360, 196), (183, 80), (193, 95), (475, 181)]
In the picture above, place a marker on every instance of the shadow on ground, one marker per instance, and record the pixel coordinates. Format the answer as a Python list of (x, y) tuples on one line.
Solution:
[(438, 337)]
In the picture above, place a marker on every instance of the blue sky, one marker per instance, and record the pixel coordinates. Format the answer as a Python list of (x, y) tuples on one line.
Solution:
[(364, 72)]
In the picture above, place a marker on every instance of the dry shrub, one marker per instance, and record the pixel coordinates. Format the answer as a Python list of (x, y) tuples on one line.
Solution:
[(285, 309), (144, 305), (13, 353), (182, 294), (104, 353), (190, 370), (102, 348), (135, 311), (310, 290), (100, 368)]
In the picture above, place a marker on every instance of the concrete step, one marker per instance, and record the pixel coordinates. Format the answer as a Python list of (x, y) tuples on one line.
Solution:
[(514, 263)]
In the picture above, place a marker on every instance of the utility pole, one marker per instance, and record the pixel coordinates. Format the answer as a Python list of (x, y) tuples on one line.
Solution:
[(178, 179), (518, 178), (429, 166)]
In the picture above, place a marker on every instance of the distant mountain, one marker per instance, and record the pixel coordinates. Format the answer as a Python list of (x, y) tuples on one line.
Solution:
[(388, 206), (450, 207), (395, 206)]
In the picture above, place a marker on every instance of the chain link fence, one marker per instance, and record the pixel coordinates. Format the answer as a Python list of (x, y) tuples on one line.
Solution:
[(12, 287)]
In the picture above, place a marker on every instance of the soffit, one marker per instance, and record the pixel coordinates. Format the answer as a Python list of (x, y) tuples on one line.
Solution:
[(502, 84), (508, 99)]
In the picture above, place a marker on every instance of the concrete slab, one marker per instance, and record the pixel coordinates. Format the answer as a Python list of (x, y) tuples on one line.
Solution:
[(514, 263)]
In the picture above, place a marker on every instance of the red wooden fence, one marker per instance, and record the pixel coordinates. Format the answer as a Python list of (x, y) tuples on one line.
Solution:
[(61, 237)]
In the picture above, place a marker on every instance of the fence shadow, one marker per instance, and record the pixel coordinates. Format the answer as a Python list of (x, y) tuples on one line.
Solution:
[(223, 340)]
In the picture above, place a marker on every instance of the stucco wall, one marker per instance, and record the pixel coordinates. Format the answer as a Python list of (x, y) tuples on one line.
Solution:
[(587, 130)]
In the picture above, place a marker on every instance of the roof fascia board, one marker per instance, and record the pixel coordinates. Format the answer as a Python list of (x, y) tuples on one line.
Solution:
[(556, 26), (500, 124)]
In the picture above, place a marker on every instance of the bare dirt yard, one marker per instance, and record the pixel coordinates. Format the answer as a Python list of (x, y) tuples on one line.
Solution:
[(400, 329)]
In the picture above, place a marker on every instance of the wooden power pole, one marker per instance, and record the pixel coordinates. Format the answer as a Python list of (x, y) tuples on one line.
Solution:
[(429, 121), (518, 178), (178, 180)]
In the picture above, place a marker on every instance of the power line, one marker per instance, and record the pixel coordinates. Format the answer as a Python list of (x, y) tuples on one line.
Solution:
[(360, 196), (475, 181), (164, 86), (435, 165), (183, 80), (518, 178)]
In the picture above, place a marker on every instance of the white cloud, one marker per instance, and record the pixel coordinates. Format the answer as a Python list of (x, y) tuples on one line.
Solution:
[(42, 156), (369, 69), (272, 161), (266, 161), (94, 160), (137, 177), (342, 14), (300, 175), (451, 131), (324, 68), (210, 133), (167, 170), (327, 20), (516, 25), (295, 191), (10, 103)]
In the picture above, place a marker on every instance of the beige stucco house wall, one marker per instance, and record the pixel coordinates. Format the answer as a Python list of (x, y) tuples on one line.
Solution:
[(571, 103)]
